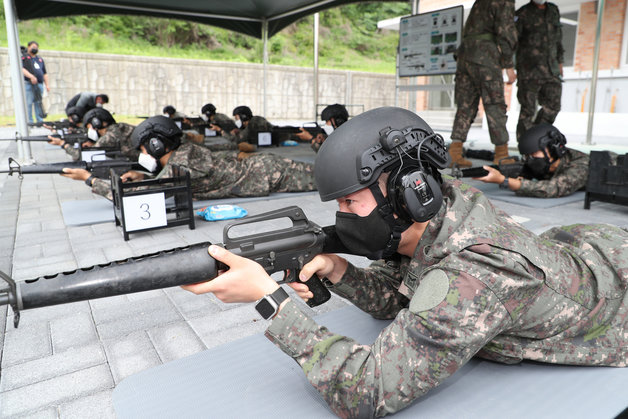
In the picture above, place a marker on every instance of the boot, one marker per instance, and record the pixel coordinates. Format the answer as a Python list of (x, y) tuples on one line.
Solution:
[(194, 137), (244, 155), (455, 151), (501, 152), (247, 147)]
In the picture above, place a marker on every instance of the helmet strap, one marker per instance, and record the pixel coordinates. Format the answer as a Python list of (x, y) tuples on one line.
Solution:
[(397, 225)]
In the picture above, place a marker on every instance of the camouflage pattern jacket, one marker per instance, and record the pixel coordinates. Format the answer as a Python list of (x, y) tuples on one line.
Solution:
[(249, 133), (118, 136), (570, 176), (479, 284), (540, 51), (489, 36)]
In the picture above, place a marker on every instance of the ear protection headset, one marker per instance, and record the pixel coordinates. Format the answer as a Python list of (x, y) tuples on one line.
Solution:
[(555, 142), (413, 189), (155, 146), (96, 123)]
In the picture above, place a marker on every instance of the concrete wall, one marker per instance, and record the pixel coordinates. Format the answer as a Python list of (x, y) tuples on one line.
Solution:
[(144, 85)]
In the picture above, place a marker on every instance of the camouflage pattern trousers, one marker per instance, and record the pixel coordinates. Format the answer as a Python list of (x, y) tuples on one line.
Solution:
[(474, 81), (546, 93)]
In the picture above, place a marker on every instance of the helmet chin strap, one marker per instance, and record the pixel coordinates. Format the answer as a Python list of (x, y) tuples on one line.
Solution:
[(397, 225)]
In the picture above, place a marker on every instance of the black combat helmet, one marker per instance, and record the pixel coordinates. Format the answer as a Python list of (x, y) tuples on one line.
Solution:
[(75, 114), (244, 112), (336, 111), (540, 137), (98, 118), (357, 153), (208, 109), (160, 127)]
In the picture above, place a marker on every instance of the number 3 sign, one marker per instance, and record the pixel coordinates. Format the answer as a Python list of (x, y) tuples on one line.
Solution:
[(144, 211)]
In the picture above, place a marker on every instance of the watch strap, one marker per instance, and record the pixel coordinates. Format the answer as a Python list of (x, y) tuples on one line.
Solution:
[(268, 306), (504, 184), (89, 180)]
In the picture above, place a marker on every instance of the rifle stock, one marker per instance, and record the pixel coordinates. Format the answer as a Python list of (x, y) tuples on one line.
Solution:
[(286, 249)]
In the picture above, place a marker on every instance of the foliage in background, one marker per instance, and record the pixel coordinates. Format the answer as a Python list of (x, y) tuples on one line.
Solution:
[(349, 38)]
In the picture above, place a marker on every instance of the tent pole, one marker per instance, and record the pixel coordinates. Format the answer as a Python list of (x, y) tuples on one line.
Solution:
[(265, 40), (596, 56), (15, 62), (316, 66)]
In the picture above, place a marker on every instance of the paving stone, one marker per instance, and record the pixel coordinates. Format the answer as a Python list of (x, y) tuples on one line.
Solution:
[(130, 354), (26, 228), (61, 247), (73, 332), (191, 305), (90, 257), (49, 413), (51, 313), (56, 391), (207, 327), (127, 318), (175, 340), (25, 343), (27, 254), (61, 363), (98, 406), (118, 252)]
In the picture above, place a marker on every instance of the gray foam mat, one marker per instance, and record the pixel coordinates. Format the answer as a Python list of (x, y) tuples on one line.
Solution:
[(96, 211), (251, 378), (492, 191)]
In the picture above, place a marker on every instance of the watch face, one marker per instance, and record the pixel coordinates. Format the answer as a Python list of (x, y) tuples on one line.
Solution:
[(265, 308)]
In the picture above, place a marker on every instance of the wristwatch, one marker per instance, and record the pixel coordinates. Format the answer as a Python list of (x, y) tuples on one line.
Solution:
[(504, 184), (268, 306), (89, 180)]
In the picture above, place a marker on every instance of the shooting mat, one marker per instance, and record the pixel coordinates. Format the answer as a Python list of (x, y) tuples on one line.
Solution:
[(492, 191), (250, 378)]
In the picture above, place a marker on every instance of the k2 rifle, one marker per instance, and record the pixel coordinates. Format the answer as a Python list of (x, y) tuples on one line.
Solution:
[(311, 127), (68, 138), (100, 169), (61, 124), (283, 250), (511, 170)]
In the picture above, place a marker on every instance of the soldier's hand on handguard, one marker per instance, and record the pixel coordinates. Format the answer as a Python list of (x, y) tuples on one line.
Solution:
[(494, 175), (132, 176), (55, 140), (325, 265), (303, 135), (512, 76), (216, 128), (76, 174), (245, 281)]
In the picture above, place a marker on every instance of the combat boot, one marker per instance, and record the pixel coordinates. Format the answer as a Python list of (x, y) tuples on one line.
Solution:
[(501, 152), (455, 151), (244, 155)]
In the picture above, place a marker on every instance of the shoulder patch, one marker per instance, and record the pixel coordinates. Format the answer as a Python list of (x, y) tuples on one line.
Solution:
[(431, 291)]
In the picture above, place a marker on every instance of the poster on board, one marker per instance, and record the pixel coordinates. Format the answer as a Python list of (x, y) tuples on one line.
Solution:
[(427, 42)]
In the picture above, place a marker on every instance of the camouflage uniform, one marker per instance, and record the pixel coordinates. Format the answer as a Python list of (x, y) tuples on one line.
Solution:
[(489, 40), (118, 136), (479, 284), (570, 176), (539, 55), (222, 175)]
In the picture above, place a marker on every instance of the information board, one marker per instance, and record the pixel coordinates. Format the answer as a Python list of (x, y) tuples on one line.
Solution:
[(428, 41)]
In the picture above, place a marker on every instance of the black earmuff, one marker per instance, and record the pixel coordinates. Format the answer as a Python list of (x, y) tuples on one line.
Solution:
[(556, 145), (96, 123), (414, 193), (155, 147)]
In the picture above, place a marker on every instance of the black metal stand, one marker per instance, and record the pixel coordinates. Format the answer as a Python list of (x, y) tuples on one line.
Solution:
[(607, 182)]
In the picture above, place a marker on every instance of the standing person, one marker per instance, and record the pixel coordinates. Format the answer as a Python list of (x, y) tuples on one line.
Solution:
[(488, 42), (35, 78), (540, 57), (459, 277)]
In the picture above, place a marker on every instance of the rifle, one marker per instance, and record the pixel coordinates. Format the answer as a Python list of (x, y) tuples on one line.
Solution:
[(286, 249), (55, 125), (100, 169), (479, 154), (311, 127), (512, 170), (68, 138)]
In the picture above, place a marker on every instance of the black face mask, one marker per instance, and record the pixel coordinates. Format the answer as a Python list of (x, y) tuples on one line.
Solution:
[(34, 51), (539, 166)]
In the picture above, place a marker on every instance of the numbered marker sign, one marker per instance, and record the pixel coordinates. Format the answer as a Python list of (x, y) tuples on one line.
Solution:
[(210, 132), (93, 155), (144, 211), (264, 138)]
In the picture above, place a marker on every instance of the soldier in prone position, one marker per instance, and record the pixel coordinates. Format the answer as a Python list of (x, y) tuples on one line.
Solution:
[(551, 170), (458, 276), (213, 174)]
